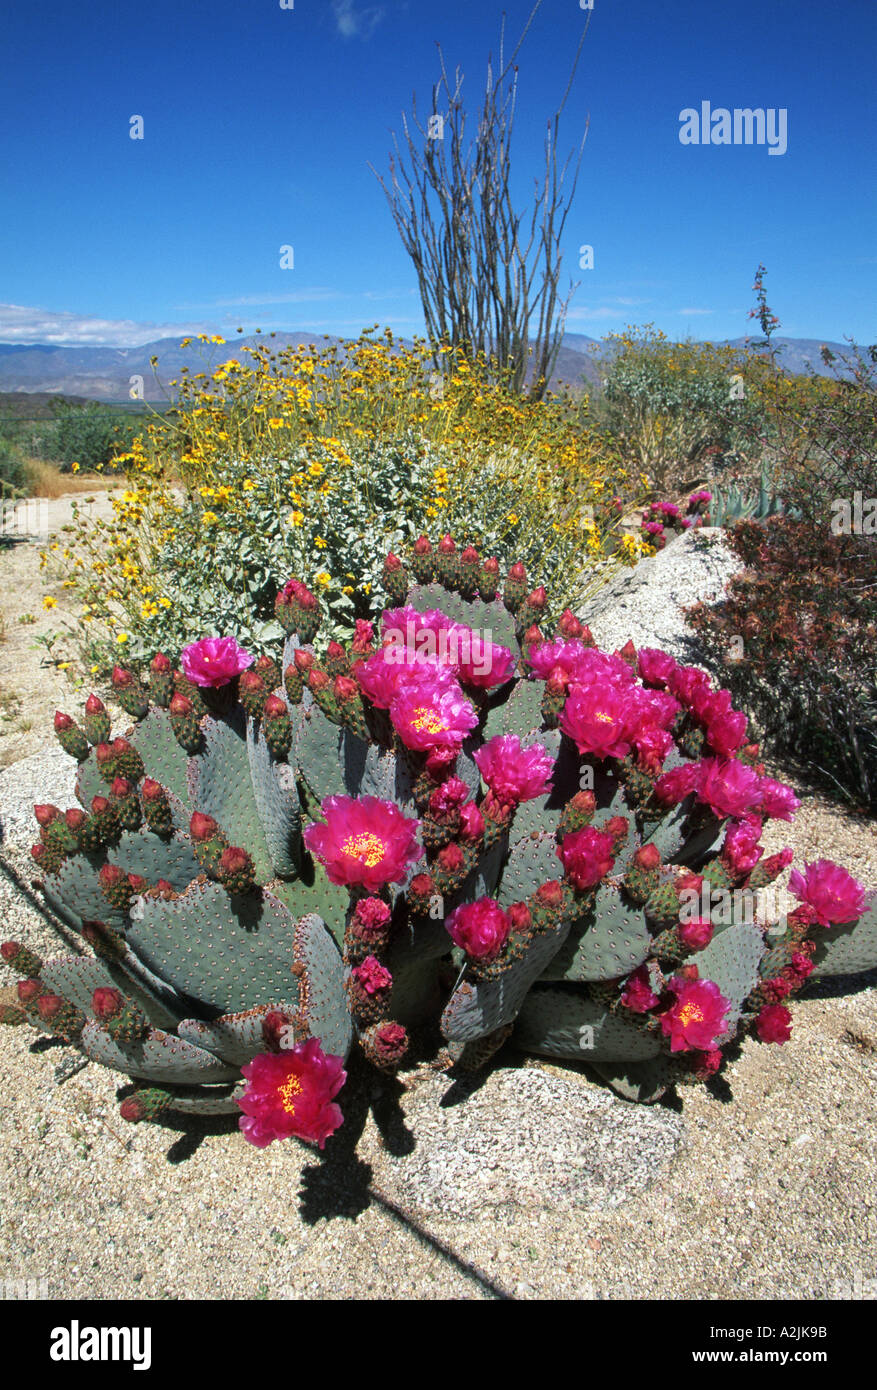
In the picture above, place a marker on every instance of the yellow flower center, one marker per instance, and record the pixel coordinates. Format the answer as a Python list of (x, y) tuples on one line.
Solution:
[(690, 1013), (604, 718), (287, 1092), (425, 718), (366, 846)]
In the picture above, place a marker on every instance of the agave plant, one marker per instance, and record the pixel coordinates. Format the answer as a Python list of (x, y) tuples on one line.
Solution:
[(474, 819)]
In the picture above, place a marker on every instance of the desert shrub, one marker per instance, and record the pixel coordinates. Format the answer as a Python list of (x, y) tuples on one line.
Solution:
[(674, 408), (318, 463), (12, 470), (795, 638), (90, 435)]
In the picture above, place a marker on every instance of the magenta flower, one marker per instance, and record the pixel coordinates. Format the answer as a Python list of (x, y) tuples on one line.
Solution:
[(471, 823), (214, 661), (587, 856), (372, 977), (432, 715), (741, 850), (729, 787), (652, 746), (290, 1094), (777, 799), (596, 719), (391, 670), (686, 681), (727, 732), (365, 841), (833, 894), (696, 933), (476, 661), (480, 928), (638, 994), (580, 664), (674, 786), (514, 774), (654, 666), (697, 1018), (774, 1024)]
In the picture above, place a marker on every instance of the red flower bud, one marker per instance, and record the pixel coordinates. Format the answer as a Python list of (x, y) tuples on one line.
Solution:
[(94, 705), (38, 853), (107, 1002), (392, 563), (446, 546), (62, 722), (538, 598), (121, 786), (121, 678), (335, 650), (160, 664), (517, 571), (202, 827), (75, 819), (568, 625), (137, 883), (520, 917), (49, 1006), (450, 858), (111, 876), (491, 566), (45, 814), (275, 708), (99, 804), (317, 680), (647, 857), (345, 688), (469, 555), (617, 827), (151, 790), (532, 636), (181, 705), (104, 753), (422, 546), (29, 990), (551, 893), (303, 660)]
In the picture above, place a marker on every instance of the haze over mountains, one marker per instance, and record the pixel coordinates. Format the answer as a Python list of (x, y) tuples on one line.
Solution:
[(105, 373)]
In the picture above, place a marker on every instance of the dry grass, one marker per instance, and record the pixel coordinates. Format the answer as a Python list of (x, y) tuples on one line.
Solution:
[(47, 480)]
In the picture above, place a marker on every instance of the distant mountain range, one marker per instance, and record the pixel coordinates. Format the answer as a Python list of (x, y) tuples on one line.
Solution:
[(105, 373)]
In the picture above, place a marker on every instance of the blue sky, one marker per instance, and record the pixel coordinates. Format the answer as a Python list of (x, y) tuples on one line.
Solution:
[(260, 123)]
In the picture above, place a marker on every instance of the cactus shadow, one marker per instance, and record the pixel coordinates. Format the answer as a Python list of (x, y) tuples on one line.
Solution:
[(338, 1183)]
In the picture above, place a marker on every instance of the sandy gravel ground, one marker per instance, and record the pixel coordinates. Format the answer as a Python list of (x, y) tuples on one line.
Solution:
[(535, 1183)]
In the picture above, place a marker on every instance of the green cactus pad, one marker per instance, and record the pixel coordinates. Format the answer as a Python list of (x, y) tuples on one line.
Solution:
[(74, 894), (520, 714), (480, 1007), (163, 758), (76, 978), (226, 955), (207, 1100), (315, 892), (159, 1057), (221, 786), (277, 803), (322, 1000), (847, 949), (235, 1038), (731, 961), (531, 863), (156, 856), (609, 942), (556, 1022)]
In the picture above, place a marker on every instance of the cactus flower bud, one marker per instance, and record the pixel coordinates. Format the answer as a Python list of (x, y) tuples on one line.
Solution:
[(568, 626), (647, 857), (422, 546), (160, 664), (446, 546), (106, 1003), (63, 721), (303, 660), (94, 705), (181, 705), (517, 571), (392, 563), (345, 688), (202, 828), (275, 708), (29, 991), (520, 917), (550, 894), (46, 814)]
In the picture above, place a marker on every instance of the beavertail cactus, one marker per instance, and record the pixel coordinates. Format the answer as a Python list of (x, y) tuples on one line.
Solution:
[(471, 817)]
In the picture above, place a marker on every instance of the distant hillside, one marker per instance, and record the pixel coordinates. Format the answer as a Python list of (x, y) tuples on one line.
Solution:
[(104, 373)]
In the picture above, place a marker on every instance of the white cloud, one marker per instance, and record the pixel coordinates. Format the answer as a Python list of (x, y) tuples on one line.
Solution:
[(22, 324), (353, 23), (686, 313)]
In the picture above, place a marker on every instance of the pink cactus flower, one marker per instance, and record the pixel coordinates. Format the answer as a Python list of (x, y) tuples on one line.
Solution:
[(654, 666), (638, 994), (513, 773), (433, 715), (365, 841), (652, 746), (596, 719), (471, 824), (774, 1024), (214, 661), (388, 671), (741, 850), (696, 934), (290, 1094), (728, 787), (697, 1018), (587, 856), (832, 893), (480, 928), (777, 799), (686, 681), (674, 786)]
